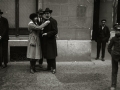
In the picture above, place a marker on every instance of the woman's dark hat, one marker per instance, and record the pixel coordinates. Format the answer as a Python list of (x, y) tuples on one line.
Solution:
[(32, 16), (48, 10), (1, 12), (40, 11)]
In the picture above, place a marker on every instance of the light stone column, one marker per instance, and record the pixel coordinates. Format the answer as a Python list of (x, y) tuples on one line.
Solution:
[(40, 4)]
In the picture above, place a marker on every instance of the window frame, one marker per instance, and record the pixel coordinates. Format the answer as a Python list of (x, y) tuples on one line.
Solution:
[(17, 30)]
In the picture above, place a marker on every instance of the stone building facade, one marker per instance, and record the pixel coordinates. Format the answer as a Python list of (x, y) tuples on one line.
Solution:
[(75, 22)]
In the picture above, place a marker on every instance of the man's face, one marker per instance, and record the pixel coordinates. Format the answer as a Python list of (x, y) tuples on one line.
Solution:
[(103, 22), (47, 15), (40, 15)]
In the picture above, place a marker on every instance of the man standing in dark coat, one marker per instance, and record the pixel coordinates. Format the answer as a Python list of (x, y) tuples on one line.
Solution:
[(103, 36), (4, 37), (39, 22), (114, 50), (49, 41)]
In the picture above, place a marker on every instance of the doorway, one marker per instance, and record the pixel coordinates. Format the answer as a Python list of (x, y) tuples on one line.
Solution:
[(95, 18)]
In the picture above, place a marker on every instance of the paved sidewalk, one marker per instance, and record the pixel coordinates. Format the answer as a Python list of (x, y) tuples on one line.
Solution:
[(89, 75), (95, 75)]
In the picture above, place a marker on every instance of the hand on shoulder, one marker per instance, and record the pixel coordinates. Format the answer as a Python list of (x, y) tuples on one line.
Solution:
[(47, 21)]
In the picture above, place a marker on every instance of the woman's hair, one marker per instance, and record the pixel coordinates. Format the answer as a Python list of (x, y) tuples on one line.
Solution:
[(32, 16)]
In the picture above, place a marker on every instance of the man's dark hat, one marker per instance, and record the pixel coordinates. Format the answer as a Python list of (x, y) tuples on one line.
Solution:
[(40, 11), (1, 12), (103, 20), (32, 16), (117, 26), (48, 10)]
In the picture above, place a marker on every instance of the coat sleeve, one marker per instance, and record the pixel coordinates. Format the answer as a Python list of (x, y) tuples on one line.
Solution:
[(108, 34), (110, 45), (97, 33), (54, 30), (32, 26), (5, 27)]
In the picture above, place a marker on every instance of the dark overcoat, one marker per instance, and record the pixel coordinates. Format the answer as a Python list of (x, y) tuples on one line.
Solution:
[(4, 29), (106, 33), (114, 48), (4, 32), (49, 41)]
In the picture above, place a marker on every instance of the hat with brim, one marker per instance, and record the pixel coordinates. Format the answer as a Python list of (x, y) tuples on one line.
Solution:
[(48, 10), (40, 11), (32, 16), (103, 20), (1, 12), (117, 26)]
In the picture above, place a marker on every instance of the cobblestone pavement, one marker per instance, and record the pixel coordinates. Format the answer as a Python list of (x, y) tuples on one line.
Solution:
[(89, 75), (95, 75)]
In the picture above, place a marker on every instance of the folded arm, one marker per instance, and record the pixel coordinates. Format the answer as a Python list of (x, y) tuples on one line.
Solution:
[(35, 27)]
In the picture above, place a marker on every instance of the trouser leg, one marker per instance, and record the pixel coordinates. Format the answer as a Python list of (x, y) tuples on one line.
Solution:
[(103, 49), (5, 52), (41, 61), (41, 40), (53, 63), (31, 64), (0, 54), (49, 64), (114, 72), (98, 48), (34, 63)]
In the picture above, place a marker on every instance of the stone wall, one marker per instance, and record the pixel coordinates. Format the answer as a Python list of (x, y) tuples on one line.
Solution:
[(75, 20)]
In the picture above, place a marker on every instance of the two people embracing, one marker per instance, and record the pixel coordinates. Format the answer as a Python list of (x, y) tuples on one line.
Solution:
[(42, 40)]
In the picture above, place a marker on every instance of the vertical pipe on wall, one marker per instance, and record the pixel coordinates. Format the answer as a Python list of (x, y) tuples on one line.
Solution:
[(37, 5), (118, 12), (40, 2), (17, 17), (114, 12)]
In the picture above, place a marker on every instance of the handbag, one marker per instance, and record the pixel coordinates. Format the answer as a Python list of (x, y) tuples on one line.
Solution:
[(32, 41)]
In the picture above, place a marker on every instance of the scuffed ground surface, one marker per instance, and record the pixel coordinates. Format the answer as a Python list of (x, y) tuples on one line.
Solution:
[(95, 75)]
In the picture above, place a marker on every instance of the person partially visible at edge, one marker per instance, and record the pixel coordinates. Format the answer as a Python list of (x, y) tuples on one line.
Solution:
[(4, 37), (39, 22), (49, 41), (103, 36), (114, 50), (34, 45)]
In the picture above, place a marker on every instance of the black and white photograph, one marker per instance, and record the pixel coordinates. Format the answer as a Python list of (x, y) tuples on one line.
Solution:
[(59, 44)]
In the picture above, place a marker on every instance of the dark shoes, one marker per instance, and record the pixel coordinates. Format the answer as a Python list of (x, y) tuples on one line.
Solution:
[(32, 71), (103, 59), (96, 58), (53, 71), (3, 66)]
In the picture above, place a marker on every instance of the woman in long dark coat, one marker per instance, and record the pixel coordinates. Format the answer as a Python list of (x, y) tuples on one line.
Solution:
[(34, 45)]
